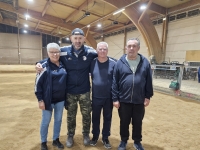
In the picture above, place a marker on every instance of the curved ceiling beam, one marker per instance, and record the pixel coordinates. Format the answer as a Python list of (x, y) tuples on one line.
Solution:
[(146, 28)]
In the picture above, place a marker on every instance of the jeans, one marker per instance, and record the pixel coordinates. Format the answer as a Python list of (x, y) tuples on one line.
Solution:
[(46, 118)]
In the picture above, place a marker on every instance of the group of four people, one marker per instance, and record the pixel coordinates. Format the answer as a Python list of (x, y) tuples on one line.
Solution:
[(63, 79)]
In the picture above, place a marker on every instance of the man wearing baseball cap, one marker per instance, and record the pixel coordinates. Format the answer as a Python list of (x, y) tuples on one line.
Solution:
[(76, 59)]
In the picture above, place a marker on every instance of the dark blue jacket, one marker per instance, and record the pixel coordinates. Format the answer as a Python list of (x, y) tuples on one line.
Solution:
[(77, 67), (43, 84), (132, 87)]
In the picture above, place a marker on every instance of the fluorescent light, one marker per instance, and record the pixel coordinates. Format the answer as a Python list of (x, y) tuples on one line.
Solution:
[(99, 25), (67, 39), (27, 16), (25, 25), (143, 7), (118, 11), (164, 18), (25, 31), (59, 41), (88, 25)]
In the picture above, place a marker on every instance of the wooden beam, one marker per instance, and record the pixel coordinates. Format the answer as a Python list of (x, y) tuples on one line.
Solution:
[(36, 15), (46, 7), (12, 22), (37, 25), (54, 29), (76, 8), (157, 9), (83, 5)]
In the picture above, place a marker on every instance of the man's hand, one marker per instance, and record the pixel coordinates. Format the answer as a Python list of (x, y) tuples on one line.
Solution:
[(38, 67), (41, 105), (146, 102), (116, 104)]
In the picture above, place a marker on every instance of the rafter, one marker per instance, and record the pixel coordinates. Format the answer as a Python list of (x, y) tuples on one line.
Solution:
[(83, 5), (157, 9), (54, 30), (77, 8), (36, 15), (37, 25), (46, 7), (12, 22)]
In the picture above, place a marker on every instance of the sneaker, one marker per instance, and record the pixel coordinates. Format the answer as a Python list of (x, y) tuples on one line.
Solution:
[(138, 146), (93, 142), (44, 146), (106, 143), (122, 145), (70, 140), (57, 143), (86, 139)]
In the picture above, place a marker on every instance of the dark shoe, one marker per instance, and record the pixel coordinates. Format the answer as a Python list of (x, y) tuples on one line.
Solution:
[(70, 140), (106, 143), (44, 146), (138, 146), (93, 142), (57, 143), (122, 145), (86, 139)]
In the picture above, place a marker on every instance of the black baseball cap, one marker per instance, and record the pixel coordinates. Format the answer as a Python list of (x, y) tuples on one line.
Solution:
[(77, 31)]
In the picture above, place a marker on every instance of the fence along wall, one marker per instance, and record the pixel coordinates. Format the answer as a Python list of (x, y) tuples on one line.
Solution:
[(30, 48)]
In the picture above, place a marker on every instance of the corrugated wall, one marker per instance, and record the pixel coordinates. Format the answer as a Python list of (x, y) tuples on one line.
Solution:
[(29, 48)]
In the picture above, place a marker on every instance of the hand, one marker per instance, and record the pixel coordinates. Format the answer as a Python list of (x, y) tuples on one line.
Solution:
[(41, 105), (146, 102), (116, 104), (38, 68)]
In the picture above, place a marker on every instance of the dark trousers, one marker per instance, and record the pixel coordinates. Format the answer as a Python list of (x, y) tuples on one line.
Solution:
[(128, 112), (97, 105)]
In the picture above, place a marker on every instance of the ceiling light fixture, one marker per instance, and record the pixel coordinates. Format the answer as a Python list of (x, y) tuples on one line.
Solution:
[(164, 18), (99, 25), (25, 31), (67, 39), (27, 16), (25, 25), (59, 41), (88, 25), (118, 11), (143, 7)]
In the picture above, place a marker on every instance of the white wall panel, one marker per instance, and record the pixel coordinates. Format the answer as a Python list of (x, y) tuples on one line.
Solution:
[(8, 40), (8, 56), (183, 35)]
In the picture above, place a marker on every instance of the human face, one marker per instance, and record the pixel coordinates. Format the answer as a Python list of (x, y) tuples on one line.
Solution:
[(102, 51), (77, 41), (54, 55), (132, 49)]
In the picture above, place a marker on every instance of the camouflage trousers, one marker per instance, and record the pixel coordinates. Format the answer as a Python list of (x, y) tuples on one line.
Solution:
[(85, 107)]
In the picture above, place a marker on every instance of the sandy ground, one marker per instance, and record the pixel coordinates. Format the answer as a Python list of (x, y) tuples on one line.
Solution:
[(169, 124)]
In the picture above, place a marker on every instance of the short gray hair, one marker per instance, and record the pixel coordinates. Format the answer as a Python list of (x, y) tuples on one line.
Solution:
[(53, 45), (135, 39), (102, 43)]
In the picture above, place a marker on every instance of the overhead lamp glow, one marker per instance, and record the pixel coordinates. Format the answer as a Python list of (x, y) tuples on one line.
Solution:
[(27, 16), (99, 25), (88, 25), (25, 25), (118, 11), (164, 18), (59, 41), (67, 39), (25, 31), (143, 7), (102, 36)]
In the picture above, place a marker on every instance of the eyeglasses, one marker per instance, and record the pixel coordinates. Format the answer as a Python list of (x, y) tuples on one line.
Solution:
[(54, 53), (102, 49)]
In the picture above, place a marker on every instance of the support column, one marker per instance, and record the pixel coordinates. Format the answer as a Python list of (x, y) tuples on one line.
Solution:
[(125, 39)]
